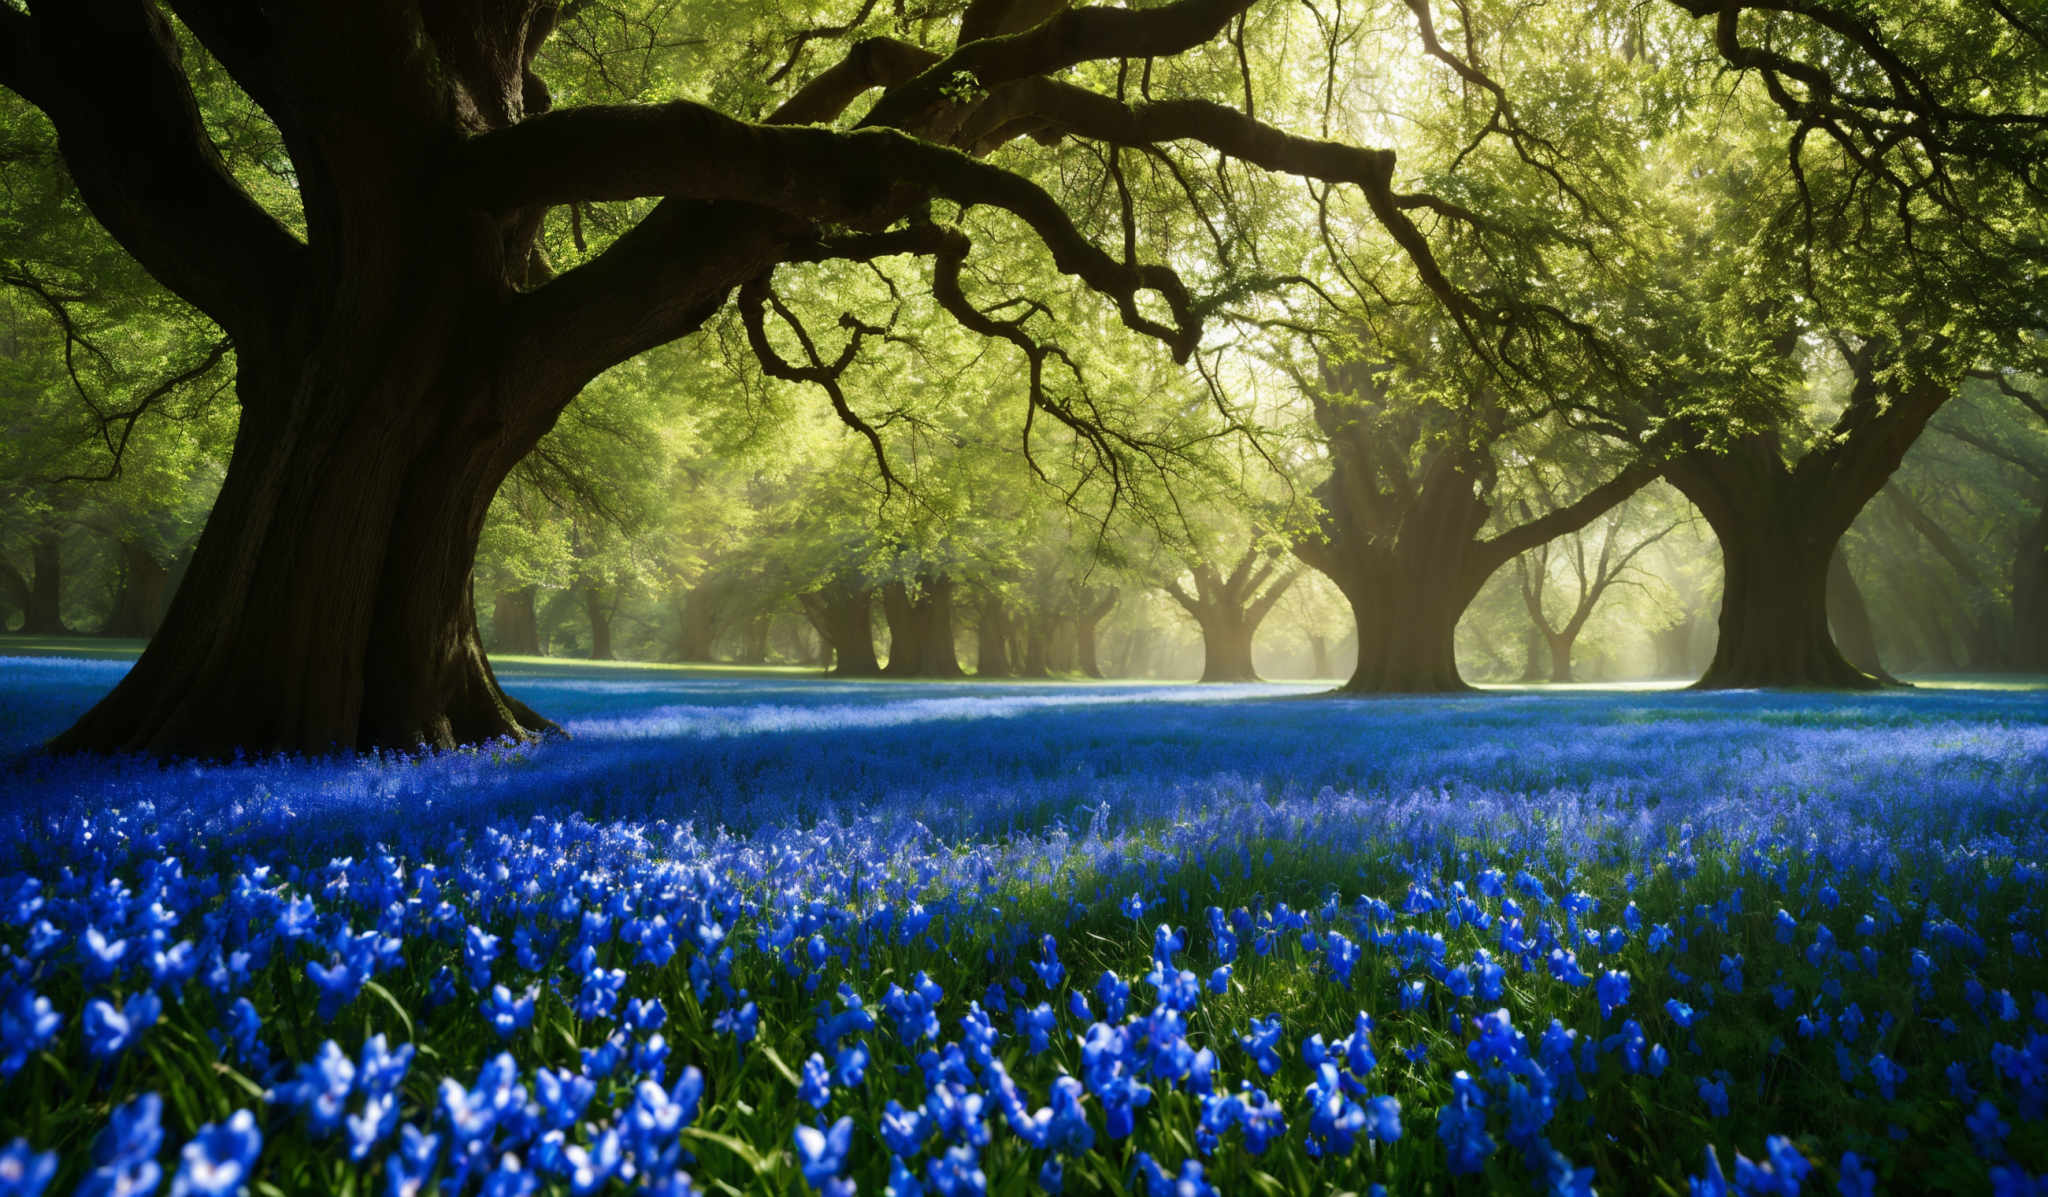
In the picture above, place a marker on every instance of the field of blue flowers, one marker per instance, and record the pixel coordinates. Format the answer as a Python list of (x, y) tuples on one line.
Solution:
[(784, 937)]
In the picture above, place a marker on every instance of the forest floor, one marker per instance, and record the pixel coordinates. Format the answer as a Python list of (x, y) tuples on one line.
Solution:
[(779, 933)]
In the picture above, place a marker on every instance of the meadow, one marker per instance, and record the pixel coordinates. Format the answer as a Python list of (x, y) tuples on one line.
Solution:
[(775, 935)]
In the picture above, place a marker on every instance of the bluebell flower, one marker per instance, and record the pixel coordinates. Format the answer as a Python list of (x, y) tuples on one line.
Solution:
[(821, 1151), (1856, 1180), (1712, 1182), (25, 1172), (1959, 1087), (110, 1032), (592, 1168), (1052, 1178), (1383, 1119), (1050, 971), (1115, 994), (100, 956), (28, 1024), (124, 1154), (1461, 1126), (904, 1130), (218, 1159), (816, 1089), (742, 1022), (1263, 1043), (1612, 991), (1988, 1130), (1782, 1170), (508, 1015), (902, 1181)]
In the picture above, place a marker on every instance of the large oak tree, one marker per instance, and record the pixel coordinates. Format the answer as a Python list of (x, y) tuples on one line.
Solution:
[(400, 357)]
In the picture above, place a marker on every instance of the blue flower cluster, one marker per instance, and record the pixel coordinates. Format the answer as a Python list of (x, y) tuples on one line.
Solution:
[(1674, 930)]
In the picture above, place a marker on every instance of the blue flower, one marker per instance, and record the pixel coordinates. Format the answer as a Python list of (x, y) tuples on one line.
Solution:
[(1782, 1170), (24, 1172), (1461, 1125), (1988, 1130), (27, 1025), (1612, 991), (1856, 1180), (1263, 1043), (110, 1032), (902, 1181), (816, 1089), (742, 1023), (217, 1161), (124, 1155), (821, 1152), (1383, 1119)]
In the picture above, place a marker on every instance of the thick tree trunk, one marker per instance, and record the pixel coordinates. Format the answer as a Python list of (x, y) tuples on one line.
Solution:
[(920, 629), (1408, 625), (599, 613), (1779, 527), (1774, 610), (327, 605), (139, 600), (1779, 523), (844, 616), (1560, 645), (991, 638), (515, 621), (1227, 649)]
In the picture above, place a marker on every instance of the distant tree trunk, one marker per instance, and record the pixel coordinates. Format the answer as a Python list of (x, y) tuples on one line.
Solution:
[(17, 590), (1673, 647), (43, 614), (1136, 658), (514, 623), (1561, 655), (139, 599), (844, 615), (599, 613), (1535, 655), (1037, 658), (1849, 617), (754, 639), (1985, 646), (697, 609), (1229, 609), (1095, 607), (1401, 538), (920, 628), (991, 637), (1319, 654), (2030, 593)]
